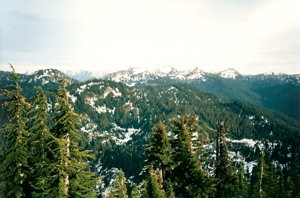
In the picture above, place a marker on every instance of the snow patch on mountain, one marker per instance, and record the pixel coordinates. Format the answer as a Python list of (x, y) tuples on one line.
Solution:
[(134, 75), (73, 98), (249, 142), (126, 134), (104, 109), (87, 86), (229, 73), (115, 92), (43, 73)]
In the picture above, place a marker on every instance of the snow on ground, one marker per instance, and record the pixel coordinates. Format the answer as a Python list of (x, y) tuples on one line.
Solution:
[(251, 117), (91, 101), (46, 73), (248, 166), (115, 92), (172, 88), (73, 98), (100, 109), (104, 109), (229, 73), (81, 89), (249, 142), (89, 85), (126, 133)]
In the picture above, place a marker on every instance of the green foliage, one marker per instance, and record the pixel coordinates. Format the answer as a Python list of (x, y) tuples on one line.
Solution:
[(14, 170), (263, 182), (35, 162), (188, 177), (74, 178), (226, 179), (241, 187), (153, 189), (41, 142), (180, 169), (118, 188), (159, 150)]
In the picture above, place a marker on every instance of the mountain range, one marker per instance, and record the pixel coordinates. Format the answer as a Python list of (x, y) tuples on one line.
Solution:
[(261, 111), (279, 92)]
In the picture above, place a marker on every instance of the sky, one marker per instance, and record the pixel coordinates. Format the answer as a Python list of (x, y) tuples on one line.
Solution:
[(252, 36)]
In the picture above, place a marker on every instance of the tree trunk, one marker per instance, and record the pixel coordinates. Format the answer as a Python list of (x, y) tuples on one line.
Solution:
[(261, 178), (67, 181)]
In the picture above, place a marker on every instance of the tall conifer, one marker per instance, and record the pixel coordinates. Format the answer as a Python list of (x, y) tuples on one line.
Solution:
[(226, 179), (73, 177), (41, 144), (118, 188), (153, 189), (263, 181), (188, 178), (159, 149), (14, 168)]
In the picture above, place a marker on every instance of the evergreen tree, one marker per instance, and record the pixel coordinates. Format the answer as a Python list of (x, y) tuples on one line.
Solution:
[(14, 168), (41, 142), (263, 181), (188, 178), (224, 170), (159, 150), (134, 192), (118, 188), (285, 186), (72, 174), (289, 188), (241, 187), (168, 187), (153, 189)]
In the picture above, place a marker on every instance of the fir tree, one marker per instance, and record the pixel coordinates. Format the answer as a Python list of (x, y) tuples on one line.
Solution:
[(72, 174), (241, 187), (118, 188), (188, 178), (134, 192), (168, 187), (224, 170), (159, 150), (263, 181), (41, 142), (153, 189), (14, 168)]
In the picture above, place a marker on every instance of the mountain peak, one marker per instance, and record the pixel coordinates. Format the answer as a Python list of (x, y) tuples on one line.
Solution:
[(229, 73), (47, 75), (166, 69)]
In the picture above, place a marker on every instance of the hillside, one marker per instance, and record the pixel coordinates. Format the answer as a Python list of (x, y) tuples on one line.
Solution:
[(119, 120), (276, 92)]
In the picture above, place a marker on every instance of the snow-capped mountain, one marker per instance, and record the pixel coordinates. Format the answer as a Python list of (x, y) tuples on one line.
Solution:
[(120, 118), (280, 92), (46, 76), (134, 75), (229, 73), (83, 76)]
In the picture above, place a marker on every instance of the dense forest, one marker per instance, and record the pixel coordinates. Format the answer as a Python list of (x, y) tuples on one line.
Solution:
[(45, 153)]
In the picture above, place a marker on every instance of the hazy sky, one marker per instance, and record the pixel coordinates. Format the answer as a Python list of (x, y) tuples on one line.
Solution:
[(252, 36)]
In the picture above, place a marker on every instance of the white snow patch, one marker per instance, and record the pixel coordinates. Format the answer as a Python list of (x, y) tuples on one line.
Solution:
[(251, 117), (91, 101), (73, 98), (104, 109), (172, 88), (249, 142), (81, 88), (229, 73), (127, 133), (249, 166), (116, 92)]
